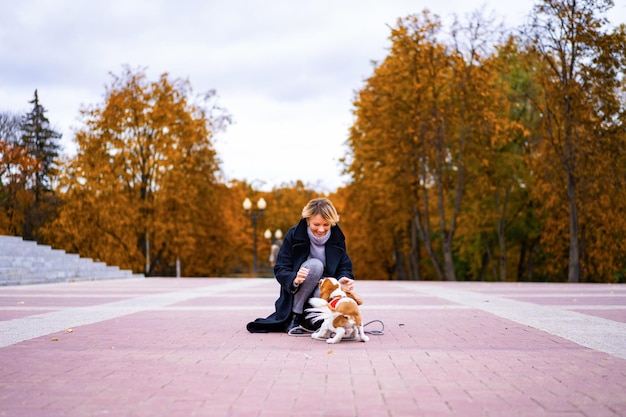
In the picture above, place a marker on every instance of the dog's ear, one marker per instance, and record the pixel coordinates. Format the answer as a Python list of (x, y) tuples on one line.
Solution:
[(324, 289), (356, 298)]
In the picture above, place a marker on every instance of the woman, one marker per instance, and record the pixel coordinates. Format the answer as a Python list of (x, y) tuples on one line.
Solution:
[(312, 249)]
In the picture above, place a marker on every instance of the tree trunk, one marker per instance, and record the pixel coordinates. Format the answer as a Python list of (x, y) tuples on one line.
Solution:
[(424, 234), (488, 260), (415, 253), (448, 265), (501, 236), (574, 273), (522, 260)]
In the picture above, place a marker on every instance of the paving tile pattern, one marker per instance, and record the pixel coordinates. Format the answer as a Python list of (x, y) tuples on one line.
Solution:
[(178, 347)]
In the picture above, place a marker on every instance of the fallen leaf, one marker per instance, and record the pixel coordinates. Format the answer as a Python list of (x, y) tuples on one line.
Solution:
[(69, 330), (54, 339), (330, 351)]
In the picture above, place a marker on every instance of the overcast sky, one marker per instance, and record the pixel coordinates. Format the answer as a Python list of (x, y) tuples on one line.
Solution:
[(286, 70)]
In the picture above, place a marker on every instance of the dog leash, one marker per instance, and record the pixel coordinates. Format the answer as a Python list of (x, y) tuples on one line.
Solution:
[(300, 331), (375, 332), (303, 331)]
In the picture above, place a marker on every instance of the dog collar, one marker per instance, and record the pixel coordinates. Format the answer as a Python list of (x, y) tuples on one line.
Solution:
[(333, 303)]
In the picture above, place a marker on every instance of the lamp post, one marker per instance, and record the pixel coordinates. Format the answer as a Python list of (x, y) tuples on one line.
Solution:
[(276, 243), (254, 215)]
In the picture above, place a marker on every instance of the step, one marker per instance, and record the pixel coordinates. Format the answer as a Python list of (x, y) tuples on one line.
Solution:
[(26, 262)]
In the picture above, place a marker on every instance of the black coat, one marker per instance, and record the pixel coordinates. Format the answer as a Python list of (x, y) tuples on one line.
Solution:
[(294, 251)]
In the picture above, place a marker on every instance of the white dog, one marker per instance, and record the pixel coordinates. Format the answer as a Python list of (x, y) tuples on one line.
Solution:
[(340, 312)]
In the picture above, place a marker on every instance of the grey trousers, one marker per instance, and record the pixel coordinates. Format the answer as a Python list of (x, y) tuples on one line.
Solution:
[(309, 288)]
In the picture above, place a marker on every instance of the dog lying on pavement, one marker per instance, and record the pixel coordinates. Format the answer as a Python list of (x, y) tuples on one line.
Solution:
[(339, 311)]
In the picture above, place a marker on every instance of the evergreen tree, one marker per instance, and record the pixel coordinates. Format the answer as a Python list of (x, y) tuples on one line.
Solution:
[(42, 143)]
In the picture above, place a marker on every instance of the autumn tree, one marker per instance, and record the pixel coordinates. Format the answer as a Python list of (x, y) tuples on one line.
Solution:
[(142, 191), (497, 223), (424, 123), (580, 157), (384, 160), (18, 169), (372, 245)]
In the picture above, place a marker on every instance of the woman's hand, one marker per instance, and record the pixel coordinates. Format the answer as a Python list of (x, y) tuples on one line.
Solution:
[(347, 284), (301, 276)]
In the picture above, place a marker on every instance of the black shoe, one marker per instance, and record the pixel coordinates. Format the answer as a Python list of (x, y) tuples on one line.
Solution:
[(310, 325), (294, 322)]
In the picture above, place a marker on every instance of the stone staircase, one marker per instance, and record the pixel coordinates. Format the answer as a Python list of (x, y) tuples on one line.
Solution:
[(25, 262)]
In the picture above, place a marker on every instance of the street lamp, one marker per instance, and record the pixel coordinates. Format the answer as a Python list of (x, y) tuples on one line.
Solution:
[(278, 234), (254, 214), (276, 243)]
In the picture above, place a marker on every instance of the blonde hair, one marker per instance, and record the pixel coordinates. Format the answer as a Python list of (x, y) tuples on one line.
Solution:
[(323, 207)]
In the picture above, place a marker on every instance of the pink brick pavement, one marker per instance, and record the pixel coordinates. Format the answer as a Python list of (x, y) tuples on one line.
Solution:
[(178, 347)]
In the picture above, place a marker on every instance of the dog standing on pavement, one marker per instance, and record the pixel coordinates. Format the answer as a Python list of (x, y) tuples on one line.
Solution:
[(339, 311)]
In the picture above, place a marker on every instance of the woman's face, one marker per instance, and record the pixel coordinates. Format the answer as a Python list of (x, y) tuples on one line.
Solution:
[(318, 225)]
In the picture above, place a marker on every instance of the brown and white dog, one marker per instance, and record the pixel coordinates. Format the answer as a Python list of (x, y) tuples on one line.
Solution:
[(339, 310)]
